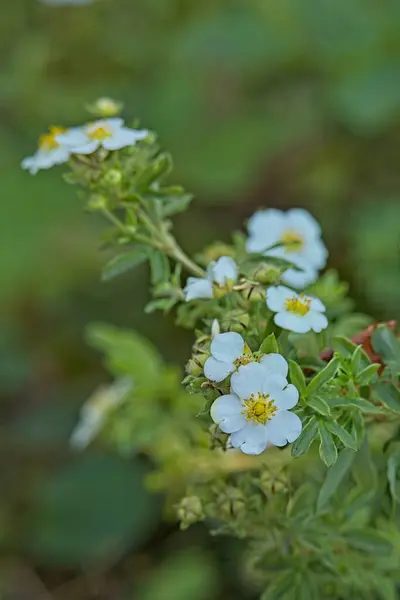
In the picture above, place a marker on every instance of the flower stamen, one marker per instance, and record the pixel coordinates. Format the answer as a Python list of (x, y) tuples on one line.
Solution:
[(48, 141), (298, 305), (292, 240), (98, 133), (259, 409)]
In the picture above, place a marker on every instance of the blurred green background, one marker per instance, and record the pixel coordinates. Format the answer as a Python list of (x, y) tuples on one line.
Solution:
[(262, 103)]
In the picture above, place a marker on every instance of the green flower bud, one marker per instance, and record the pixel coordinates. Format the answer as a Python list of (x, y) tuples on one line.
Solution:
[(97, 202), (254, 293), (235, 320), (113, 177), (190, 511), (193, 368), (266, 273), (105, 107)]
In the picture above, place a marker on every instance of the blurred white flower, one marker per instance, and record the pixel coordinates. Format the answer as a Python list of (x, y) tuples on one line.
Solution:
[(229, 351), (96, 409), (50, 152), (221, 277), (296, 312), (110, 134), (300, 236), (256, 412)]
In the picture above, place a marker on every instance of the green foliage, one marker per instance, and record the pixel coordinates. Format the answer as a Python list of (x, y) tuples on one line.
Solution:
[(83, 514)]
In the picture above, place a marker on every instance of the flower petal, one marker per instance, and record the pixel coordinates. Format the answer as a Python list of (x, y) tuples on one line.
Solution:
[(197, 288), (216, 370), (251, 439), (73, 137), (227, 346), (86, 148), (276, 297), (225, 269), (300, 279), (284, 427), (317, 321), (303, 221), (315, 253), (293, 322), (267, 224), (273, 385), (316, 304), (123, 137), (226, 411), (248, 380), (274, 364), (287, 398)]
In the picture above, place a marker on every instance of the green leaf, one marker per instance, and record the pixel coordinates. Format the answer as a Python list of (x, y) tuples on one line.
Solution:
[(83, 513), (343, 346), (281, 588), (306, 438), (364, 405), (389, 394), (323, 376), (370, 541), (392, 468), (356, 360), (297, 376), (385, 343), (366, 375), (124, 262), (358, 427), (335, 476), (181, 576), (363, 469), (173, 205), (127, 353), (340, 432), (319, 405), (164, 304), (160, 269), (327, 448), (269, 345)]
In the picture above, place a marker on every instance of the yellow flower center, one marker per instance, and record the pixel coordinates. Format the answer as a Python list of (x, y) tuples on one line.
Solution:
[(259, 409), (48, 141), (221, 290), (299, 306), (246, 358), (292, 240), (99, 133)]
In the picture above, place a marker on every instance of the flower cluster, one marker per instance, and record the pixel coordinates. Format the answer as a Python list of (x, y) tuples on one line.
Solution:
[(56, 146), (256, 412)]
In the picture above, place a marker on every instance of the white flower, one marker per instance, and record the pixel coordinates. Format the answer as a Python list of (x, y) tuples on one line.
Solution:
[(111, 134), (95, 410), (221, 277), (50, 152), (256, 412), (296, 312), (300, 235), (229, 351)]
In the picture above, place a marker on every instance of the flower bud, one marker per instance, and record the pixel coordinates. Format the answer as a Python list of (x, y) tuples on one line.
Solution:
[(113, 177), (254, 293), (97, 202), (266, 273), (235, 320), (215, 328), (190, 511), (105, 107), (193, 368)]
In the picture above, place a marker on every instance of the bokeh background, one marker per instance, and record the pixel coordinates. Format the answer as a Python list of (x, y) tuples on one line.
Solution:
[(262, 103)]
